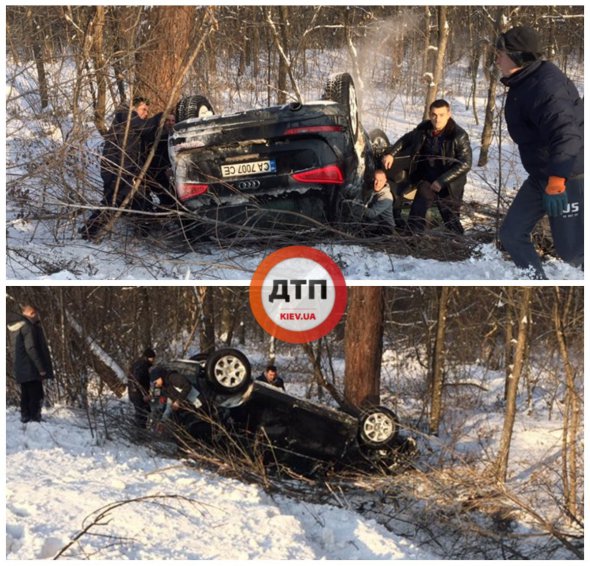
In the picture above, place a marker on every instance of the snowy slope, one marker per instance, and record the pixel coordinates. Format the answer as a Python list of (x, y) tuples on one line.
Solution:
[(47, 249), (58, 476)]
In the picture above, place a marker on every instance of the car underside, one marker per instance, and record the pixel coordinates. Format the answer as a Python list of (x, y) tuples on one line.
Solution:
[(298, 433), (281, 167)]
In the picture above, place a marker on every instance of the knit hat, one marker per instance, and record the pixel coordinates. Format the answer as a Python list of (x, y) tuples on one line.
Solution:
[(156, 372), (149, 353), (521, 43)]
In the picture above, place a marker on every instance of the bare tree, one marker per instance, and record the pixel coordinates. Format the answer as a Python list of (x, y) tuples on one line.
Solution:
[(492, 74), (207, 308), (571, 419), (512, 390), (438, 360), (434, 79)]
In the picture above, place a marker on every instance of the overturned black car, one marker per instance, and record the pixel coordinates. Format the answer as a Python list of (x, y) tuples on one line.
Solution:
[(294, 432), (282, 167)]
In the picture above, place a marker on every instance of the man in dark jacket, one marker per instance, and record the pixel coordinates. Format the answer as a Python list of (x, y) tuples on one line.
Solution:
[(32, 362), (160, 170), (181, 397), (271, 376), (440, 159), (122, 159), (545, 118), (138, 386)]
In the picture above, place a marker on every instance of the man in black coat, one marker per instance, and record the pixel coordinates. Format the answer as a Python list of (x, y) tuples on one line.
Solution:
[(545, 118), (122, 160), (271, 376), (440, 159), (181, 398), (138, 386), (160, 170), (32, 362)]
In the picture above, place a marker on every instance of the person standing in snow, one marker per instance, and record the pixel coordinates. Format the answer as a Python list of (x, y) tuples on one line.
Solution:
[(440, 160), (32, 362), (271, 376), (545, 118), (138, 386), (122, 160), (159, 172)]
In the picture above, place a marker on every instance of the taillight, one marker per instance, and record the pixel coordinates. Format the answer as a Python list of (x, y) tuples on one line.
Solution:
[(330, 174), (312, 130), (190, 190)]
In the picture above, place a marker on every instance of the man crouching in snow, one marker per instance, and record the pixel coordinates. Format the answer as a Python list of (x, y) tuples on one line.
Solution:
[(376, 214), (181, 401)]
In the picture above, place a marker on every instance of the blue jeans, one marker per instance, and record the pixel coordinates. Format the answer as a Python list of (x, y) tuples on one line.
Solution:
[(567, 230)]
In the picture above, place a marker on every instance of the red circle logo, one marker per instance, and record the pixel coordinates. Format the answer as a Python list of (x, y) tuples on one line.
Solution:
[(298, 294)]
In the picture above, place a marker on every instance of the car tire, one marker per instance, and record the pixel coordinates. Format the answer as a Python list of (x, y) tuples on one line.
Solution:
[(228, 371), (379, 142), (340, 88), (196, 106), (378, 427)]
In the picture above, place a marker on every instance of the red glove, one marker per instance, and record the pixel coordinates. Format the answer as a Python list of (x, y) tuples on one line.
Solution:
[(555, 186)]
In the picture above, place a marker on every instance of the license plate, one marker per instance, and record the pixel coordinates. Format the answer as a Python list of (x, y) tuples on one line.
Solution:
[(250, 168)]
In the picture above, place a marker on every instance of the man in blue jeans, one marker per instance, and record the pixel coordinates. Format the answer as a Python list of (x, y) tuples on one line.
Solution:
[(545, 118)]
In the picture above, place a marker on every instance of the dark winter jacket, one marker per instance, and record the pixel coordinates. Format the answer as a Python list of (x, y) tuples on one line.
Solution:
[(455, 150), (159, 165), (31, 353), (176, 386), (545, 118), (139, 378), (126, 145), (278, 382)]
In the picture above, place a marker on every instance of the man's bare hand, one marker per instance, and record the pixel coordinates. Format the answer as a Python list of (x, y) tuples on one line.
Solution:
[(387, 161)]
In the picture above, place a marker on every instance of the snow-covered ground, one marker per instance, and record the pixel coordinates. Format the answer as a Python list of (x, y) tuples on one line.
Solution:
[(49, 249), (58, 478)]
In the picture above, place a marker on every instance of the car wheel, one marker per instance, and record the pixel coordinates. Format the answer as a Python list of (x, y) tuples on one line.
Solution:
[(379, 142), (378, 427), (340, 88), (196, 106), (228, 371)]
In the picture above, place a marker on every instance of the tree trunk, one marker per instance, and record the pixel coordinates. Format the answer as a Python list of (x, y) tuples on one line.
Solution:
[(39, 59), (283, 62), (161, 56), (438, 361), (363, 341), (571, 419), (207, 331), (100, 70), (487, 133), (512, 390), (145, 322), (509, 344), (443, 36)]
